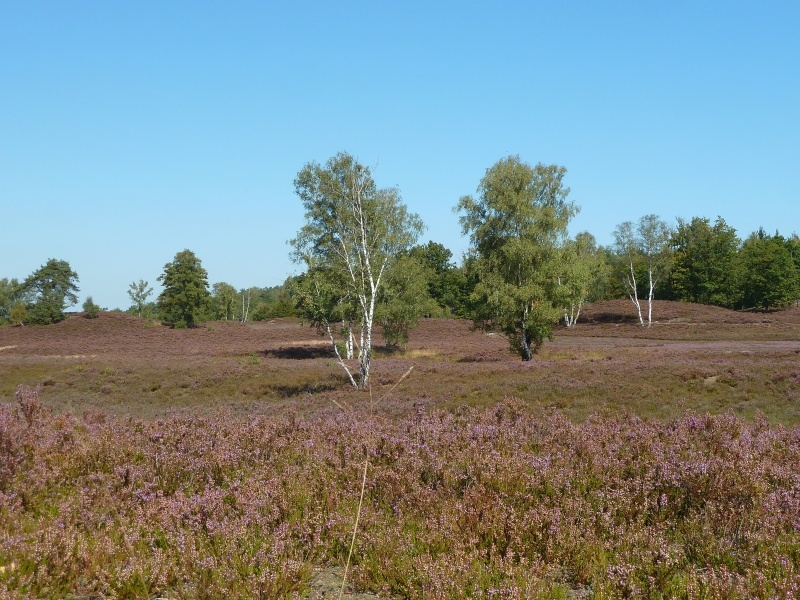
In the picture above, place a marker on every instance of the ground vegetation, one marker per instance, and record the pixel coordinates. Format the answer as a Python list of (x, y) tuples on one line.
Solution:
[(141, 461)]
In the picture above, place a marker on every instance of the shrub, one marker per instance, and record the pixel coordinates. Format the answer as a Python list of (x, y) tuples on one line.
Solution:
[(18, 314), (90, 309)]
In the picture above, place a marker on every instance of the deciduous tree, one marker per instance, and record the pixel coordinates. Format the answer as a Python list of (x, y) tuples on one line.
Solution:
[(448, 284), (354, 231), (582, 267), (11, 293), (645, 244), (18, 313), (768, 277), (404, 299), (139, 293), (704, 257), (224, 298), (517, 224)]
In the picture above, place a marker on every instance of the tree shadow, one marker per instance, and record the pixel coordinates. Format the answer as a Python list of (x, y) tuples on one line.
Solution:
[(298, 352), (609, 317), (302, 389)]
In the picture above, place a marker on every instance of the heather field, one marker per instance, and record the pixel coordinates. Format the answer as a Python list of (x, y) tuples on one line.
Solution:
[(226, 461)]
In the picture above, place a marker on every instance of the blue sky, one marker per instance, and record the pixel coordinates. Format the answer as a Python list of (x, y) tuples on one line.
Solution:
[(130, 131)]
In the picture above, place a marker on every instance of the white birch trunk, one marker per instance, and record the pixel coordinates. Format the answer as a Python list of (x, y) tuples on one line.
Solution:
[(650, 299), (634, 295), (571, 316), (339, 356), (348, 343), (526, 345)]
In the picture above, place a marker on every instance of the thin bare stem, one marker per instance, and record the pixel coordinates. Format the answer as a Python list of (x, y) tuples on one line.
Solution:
[(355, 526), (364, 477)]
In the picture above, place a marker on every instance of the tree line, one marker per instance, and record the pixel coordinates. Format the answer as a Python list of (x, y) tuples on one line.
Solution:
[(522, 274), (43, 297)]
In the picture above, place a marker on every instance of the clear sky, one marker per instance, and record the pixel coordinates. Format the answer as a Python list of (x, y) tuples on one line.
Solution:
[(130, 131)]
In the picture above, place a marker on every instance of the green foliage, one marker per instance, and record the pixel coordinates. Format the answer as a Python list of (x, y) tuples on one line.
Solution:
[(18, 314), (275, 302), (583, 273), (643, 258), (223, 301), (516, 226), (353, 232), (703, 262), (149, 311), (11, 293), (139, 292), (50, 289), (319, 300), (768, 277), (448, 285), (434, 256), (90, 309), (185, 299), (793, 246), (404, 300)]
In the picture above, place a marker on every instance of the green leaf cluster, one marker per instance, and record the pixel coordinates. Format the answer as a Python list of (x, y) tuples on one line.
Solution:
[(703, 263), (404, 299), (185, 300), (90, 309), (448, 285), (12, 300), (517, 225), (46, 293), (767, 273), (139, 293), (353, 233)]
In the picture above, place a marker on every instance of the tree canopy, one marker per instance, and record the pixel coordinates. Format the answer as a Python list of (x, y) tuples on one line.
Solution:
[(185, 299), (767, 274), (138, 293), (517, 224), (49, 291), (704, 257), (643, 247), (353, 232)]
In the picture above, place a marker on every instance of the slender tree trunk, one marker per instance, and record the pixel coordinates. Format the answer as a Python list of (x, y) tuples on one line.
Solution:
[(348, 343), (526, 348), (524, 342), (634, 295), (339, 356), (366, 351), (571, 316)]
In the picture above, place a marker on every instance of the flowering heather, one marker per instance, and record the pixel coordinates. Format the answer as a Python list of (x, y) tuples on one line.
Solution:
[(483, 503)]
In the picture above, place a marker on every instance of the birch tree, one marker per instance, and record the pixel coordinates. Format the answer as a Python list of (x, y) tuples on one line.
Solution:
[(139, 292), (646, 246), (246, 296), (581, 268), (517, 226), (224, 297), (355, 230)]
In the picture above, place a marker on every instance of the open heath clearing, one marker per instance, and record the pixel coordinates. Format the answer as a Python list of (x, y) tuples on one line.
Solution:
[(226, 461)]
